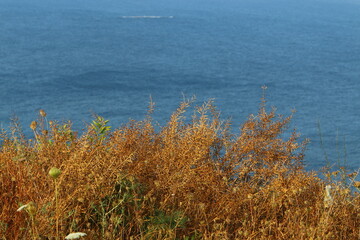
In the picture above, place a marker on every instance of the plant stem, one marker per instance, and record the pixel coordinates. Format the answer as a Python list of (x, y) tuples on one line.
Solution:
[(56, 210), (33, 227)]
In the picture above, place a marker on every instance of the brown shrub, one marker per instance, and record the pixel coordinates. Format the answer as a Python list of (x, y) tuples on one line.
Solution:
[(192, 178)]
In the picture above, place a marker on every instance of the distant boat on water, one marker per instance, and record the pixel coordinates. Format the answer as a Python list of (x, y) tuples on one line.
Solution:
[(147, 17)]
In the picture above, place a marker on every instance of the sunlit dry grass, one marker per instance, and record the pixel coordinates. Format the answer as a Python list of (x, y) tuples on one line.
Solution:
[(192, 179)]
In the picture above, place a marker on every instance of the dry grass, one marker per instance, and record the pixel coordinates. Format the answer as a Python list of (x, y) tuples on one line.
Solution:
[(192, 179)]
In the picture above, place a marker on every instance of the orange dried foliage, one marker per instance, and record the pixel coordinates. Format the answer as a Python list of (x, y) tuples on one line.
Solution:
[(250, 185)]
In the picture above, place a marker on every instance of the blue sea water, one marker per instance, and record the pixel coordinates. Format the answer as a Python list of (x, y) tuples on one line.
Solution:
[(73, 58)]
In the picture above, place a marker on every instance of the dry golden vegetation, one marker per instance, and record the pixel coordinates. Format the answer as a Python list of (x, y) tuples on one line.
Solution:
[(191, 179)]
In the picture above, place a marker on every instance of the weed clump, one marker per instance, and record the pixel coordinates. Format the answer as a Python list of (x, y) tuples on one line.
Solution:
[(192, 179)]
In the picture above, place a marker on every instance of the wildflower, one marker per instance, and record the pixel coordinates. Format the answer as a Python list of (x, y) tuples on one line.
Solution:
[(76, 235), (328, 198)]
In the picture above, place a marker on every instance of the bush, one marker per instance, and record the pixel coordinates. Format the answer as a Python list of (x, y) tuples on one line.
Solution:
[(192, 179)]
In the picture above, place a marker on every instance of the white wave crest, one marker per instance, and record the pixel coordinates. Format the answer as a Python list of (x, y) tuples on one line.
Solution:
[(147, 17)]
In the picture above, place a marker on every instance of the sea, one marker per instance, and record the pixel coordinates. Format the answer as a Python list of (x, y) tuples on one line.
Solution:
[(112, 57)]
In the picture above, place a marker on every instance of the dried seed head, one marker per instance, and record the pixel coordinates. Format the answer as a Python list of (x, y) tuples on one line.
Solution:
[(42, 113), (54, 172), (352, 175), (345, 191), (33, 125)]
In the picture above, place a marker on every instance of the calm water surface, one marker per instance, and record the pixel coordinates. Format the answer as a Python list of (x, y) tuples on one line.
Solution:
[(77, 57)]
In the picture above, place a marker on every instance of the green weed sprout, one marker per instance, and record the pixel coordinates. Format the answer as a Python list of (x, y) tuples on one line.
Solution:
[(100, 127)]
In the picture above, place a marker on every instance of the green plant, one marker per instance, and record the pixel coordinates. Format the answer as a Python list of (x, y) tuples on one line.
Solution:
[(164, 225), (116, 210), (100, 128)]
